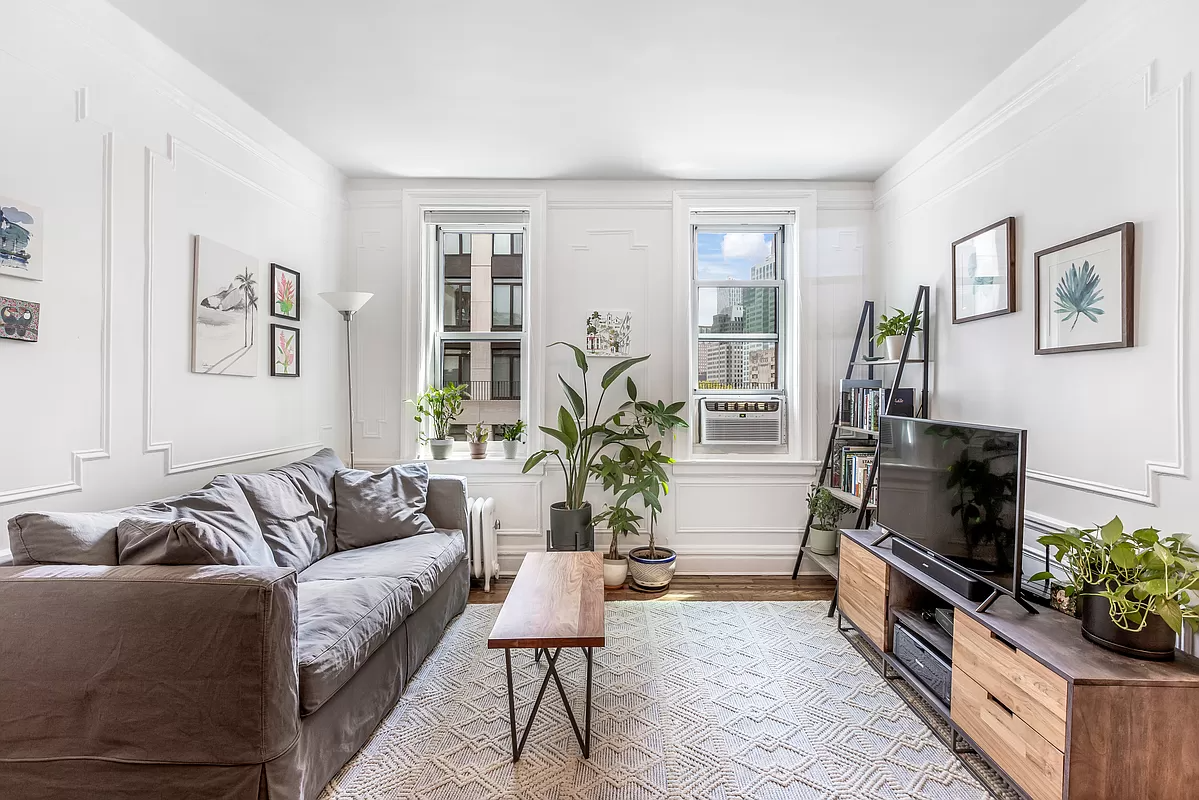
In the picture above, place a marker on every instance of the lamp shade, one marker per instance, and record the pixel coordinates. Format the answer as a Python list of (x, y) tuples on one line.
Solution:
[(346, 301)]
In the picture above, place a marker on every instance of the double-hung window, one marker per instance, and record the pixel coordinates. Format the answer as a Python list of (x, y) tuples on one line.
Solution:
[(738, 303), (479, 333)]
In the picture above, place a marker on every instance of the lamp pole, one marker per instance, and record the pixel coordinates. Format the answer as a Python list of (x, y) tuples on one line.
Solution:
[(349, 316)]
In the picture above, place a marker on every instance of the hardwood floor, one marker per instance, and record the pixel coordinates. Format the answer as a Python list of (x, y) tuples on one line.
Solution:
[(700, 587)]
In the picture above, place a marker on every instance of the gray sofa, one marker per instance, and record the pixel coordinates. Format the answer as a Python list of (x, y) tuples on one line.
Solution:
[(230, 682)]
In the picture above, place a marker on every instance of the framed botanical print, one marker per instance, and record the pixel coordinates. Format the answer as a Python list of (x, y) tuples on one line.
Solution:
[(1085, 292), (285, 351), (285, 292), (984, 272)]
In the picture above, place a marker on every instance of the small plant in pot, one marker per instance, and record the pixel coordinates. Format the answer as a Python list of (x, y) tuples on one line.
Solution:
[(892, 330), (476, 439), (1134, 586), (826, 511), (511, 436), (440, 406)]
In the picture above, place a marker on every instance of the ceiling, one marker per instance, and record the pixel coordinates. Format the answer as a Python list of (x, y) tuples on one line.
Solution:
[(799, 89)]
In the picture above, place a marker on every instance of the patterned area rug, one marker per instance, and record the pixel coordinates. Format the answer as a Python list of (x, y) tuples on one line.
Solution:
[(693, 701)]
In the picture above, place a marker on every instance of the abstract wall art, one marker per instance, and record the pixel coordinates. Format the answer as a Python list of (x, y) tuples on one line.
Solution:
[(20, 239), (19, 319)]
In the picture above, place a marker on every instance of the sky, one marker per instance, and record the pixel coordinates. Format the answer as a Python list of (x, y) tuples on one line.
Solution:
[(724, 256)]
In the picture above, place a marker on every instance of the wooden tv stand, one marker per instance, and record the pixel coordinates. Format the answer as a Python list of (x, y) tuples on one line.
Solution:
[(1058, 716)]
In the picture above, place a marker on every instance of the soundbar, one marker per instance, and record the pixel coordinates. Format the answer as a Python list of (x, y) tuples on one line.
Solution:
[(973, 589)]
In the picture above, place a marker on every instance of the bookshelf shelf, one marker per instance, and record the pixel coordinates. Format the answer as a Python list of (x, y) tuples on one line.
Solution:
[(851, 429), (886, 362), (849, 498)]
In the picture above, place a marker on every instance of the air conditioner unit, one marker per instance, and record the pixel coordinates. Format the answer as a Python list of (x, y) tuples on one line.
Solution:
[(757, 419)]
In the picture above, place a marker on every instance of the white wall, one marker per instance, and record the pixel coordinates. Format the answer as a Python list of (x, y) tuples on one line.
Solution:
[(131, 151), (1091, 128), (611, 244)]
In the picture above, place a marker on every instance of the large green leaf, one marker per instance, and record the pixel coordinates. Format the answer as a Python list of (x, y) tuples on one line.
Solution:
[(1112, 531), (631, 389), (1171, 612), (619, 369), (568, 426), (576, 400), (559, 435), (580, 356), (535, 459), (1123, 556)]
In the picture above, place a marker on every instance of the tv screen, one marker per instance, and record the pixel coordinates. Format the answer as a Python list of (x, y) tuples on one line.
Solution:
[(956, 490)]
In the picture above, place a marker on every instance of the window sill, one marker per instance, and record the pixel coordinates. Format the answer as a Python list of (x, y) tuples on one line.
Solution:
[(463, 464)]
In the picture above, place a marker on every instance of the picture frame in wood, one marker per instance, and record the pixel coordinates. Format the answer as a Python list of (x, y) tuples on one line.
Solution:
[(285, 293), (984, 272), (285, 351)]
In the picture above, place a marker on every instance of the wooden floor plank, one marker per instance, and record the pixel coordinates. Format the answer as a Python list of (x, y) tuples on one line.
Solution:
[(743, 588)]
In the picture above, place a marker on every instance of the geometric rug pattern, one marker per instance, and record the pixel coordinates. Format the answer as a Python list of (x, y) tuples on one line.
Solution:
[(692, 701)]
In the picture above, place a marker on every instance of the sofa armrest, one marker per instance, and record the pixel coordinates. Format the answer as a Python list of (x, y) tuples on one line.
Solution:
[(162, 664), (447, 504)]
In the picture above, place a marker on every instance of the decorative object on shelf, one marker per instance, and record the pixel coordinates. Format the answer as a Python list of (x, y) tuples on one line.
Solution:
[(20, 239), (1084, 293), (225, 311), (285, 351), (826, 512), (441, 406), (348, 304), (1061, 600), (511, 436), (1134, 586), (892, 330), (19, 319), (582, 436), (609, 333), (285, 293), (984, 272), (476, 440)]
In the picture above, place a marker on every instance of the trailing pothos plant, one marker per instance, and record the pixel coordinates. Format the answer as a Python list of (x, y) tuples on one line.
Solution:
[(1139, 572), (894, 325), (635, 470)]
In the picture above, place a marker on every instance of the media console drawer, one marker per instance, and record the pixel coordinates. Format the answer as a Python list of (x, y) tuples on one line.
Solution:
[(862, 591), (1023, 754), (1031, 690)]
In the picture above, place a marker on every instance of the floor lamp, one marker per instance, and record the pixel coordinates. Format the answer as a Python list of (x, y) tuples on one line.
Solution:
[(347, 304)]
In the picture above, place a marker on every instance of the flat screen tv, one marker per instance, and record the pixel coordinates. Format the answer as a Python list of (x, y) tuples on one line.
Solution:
[(957, 491)]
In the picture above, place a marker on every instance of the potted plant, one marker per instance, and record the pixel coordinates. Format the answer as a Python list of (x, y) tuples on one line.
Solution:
[(826, 511), (476, 439), (1134, 587), (637, 473), (892, 330), (581, 435), (512, 435), (441, 406)]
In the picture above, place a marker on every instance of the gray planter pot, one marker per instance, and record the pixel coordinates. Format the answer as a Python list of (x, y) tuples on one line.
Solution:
[(652, 573), (478, 449), (821, 541), (571, 528), (441, 448), (510, 448)]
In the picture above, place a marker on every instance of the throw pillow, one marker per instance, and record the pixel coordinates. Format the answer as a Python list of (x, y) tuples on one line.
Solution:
[(380, 507), (179, 542)]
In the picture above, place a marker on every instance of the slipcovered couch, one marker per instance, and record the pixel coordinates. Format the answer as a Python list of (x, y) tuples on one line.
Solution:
[(230, 682)]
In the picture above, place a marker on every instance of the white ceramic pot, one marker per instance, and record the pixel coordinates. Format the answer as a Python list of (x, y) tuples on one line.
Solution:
[(477, 449), (894, 347), (441, 448), (510, 448), (821, 541), (652, 573), (615, 572)]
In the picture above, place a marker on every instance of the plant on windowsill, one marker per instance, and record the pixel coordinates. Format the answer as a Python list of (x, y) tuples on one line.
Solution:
[(637, 472), (826, 511), (892, 330), (1134, 586), (441, 406), (476, 439), (511, 436), (581, 435)]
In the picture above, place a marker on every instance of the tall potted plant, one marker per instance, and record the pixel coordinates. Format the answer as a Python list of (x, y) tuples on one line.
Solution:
[(581, 435), (637, 473), (441, 406), (1134, 586), (826, 512), (892, 330)]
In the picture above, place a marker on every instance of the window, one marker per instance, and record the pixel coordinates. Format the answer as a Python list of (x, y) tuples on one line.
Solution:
[(738, 280), (479, 336)]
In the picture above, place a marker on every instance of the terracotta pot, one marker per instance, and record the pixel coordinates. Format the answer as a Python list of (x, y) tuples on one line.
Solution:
[(477, 449)]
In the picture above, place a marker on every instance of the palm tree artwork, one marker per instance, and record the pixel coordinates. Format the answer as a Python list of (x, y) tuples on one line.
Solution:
[(245, 283), (1078, 295), (225, 312)]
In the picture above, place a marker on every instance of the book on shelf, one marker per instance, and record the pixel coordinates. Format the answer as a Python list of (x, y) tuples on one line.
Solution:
[(862, 406)]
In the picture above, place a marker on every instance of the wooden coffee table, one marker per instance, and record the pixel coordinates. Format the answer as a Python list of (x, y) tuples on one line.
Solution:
[(556, 601)]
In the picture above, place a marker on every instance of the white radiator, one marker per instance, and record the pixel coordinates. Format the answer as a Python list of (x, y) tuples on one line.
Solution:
[(484, 549)]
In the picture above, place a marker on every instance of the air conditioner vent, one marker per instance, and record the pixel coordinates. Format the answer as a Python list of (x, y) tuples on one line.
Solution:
[(742, 420)]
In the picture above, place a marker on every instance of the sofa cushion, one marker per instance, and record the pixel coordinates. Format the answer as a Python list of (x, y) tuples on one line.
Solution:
[(294, 508), (341, 623), (423, 561), (381, 507), (180, 542)]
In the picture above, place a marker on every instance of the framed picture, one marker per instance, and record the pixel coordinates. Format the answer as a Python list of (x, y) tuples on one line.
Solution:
[(984, 272), (285, 292), (608, 333), (19, 319), (20, 239), (225, 311), (285, 351), (1084, 293)]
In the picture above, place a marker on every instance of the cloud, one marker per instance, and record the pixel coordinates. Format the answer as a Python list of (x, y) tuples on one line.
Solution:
[(17, 215), (752, 246)]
